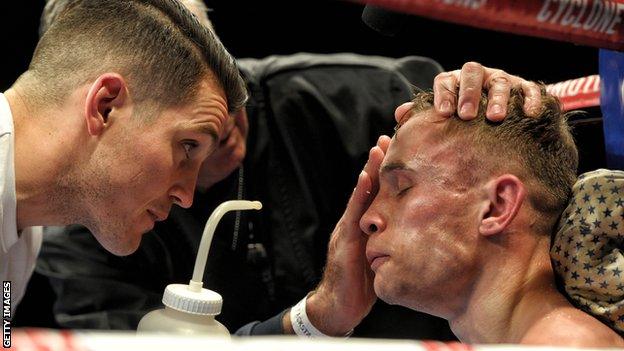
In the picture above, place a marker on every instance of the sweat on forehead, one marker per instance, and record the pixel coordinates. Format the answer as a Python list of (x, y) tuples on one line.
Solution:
[(540, 148), (475, 135), (423, 142), (434, 129)]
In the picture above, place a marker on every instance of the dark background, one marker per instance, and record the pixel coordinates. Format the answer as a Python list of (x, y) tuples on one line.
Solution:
[(251, 28)]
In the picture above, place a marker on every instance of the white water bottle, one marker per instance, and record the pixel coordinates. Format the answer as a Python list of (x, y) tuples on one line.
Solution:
[(191, 309), (186, 312)]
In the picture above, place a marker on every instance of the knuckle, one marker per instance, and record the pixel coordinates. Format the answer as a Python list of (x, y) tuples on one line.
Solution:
[(501, 80), (534, 86), (472, 66), (497, 95), (496, 72), (470, 90), (532, 89), (441, 77)]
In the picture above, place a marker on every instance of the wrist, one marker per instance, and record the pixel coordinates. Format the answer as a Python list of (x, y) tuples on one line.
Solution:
[(325, 315), (296, 321), (287, 327)]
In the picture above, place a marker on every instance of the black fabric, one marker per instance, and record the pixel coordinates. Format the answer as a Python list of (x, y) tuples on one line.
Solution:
[(312, 121), (384, 21), (272, 326)]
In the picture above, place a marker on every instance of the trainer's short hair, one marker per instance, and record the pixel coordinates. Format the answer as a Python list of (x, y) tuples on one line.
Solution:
[(158, 45)]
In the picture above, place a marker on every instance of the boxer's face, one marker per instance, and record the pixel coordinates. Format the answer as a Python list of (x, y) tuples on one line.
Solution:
[(423, 243)]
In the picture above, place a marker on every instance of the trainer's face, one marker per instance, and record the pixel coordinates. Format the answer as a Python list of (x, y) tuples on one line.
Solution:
[(421, 246), (144, 167)]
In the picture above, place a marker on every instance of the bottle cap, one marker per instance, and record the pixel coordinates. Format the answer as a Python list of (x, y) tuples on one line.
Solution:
[(203, 302)]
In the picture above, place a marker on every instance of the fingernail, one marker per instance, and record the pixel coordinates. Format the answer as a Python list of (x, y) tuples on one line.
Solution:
[(445, 107), (467, 109), (496, 109)]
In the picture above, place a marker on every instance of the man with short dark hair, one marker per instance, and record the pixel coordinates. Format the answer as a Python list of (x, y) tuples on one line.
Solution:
[(122, 102), (461, 225)]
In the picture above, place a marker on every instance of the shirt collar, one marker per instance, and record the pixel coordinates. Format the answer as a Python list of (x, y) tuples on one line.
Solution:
[(8, 215)]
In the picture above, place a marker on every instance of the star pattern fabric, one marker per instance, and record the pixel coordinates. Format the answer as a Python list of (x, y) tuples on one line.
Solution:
[(587, 250)]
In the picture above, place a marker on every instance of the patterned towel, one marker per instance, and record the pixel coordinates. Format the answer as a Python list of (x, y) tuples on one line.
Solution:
[(587, 250)]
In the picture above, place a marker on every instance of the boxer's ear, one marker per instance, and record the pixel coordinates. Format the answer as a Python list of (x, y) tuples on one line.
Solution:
[(503, 198)]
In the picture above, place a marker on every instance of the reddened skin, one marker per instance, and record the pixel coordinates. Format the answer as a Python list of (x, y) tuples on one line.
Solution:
[(503, 198)]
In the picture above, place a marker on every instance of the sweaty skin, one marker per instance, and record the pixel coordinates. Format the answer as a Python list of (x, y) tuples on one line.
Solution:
[(432, 248)]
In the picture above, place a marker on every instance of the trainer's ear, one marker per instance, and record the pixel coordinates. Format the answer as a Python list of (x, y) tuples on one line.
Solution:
[(108, 92), (505, 195)]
